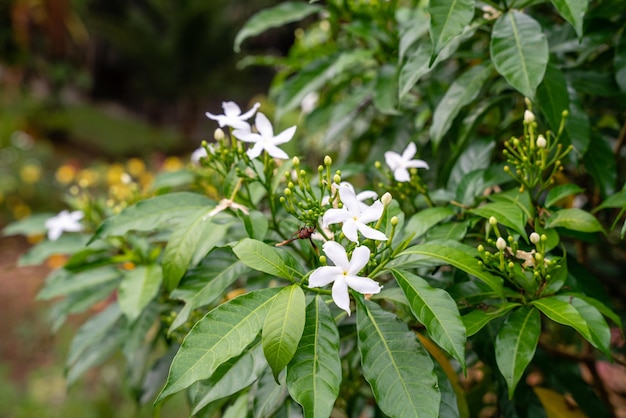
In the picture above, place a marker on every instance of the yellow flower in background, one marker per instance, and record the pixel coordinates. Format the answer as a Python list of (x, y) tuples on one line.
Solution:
[(114, 174), (30, 173), (146, 179), (87, 177), (135, 167), (65, 174), (172, 164)]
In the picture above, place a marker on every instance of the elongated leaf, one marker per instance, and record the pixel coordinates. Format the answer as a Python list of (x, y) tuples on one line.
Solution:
[(149, 214), (574, 219), (521, 200), (271, 260), (552, 96), (577, 127), (561, 192), (600, 161), (138, 287), (564, 313), (436, 309), (478, 154), (458, 255), (601, 307), (32, 225), (230, 378), (66, 244), (574, 12), (461, 92), (398, 369), (598, 328), (519, 51), (283, 328), (219, 336), (617, 200), (508, 214), (448, 18), (314, 373), (204, 285), (276, 16), (62, 282), (386, 99), (477, 319), (516, 343), (197, 231), (423, 220)]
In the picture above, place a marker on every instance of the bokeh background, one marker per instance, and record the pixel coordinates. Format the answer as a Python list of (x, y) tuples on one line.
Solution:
[(90, 89)]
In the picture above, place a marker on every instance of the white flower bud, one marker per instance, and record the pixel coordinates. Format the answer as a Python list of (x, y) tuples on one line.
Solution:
[(529, 117), (541, 141), (500, 244), (493, 221), (218, 134), (535, 238), (386, 199)]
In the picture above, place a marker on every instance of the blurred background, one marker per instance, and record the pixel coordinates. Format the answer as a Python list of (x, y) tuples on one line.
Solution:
[(90, 89)]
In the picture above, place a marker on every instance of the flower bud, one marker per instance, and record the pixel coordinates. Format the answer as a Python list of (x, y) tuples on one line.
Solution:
[(480, 248), (337, 178), (394, 220), (500, 244), (541, 141), (327, 160), (377, 164), (538, 257), (295, 161), (386, 199), (493, 221), (529, 117), (218, 134), (535, 238), (323, 260)]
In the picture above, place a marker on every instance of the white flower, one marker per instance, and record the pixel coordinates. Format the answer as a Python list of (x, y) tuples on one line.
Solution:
[(309, 102), (400, 163), (344, 274), (361, 197), (232, 116), (354, 219), (64, 221), (265, 139), (198, 154)]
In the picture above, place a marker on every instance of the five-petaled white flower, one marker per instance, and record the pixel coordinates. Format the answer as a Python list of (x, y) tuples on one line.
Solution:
[(361, 197), (400, 163), (232, 116), (64, 222), (354, 218), (265, 139), (344, 274)]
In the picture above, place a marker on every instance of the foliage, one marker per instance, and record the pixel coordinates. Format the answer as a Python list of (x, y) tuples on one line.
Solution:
[(476, 247)]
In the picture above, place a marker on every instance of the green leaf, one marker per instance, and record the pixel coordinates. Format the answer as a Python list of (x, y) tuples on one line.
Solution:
[(206, 284), (601, 307), (283, 328), (601, 164), (521, 200), (461, 92), (478, 318), (314, 373), (413, 23), (561, 192), (273, 17), (256, 224), (425, 219), (66, 244), (507, 214), (617, 200), (436, 309), (552, 96), (516, 343), (577, 126), (575, 220), (458, 255), (398, 369), (574, 12), (385, 97), (448, 18), (449, 406), (62, 282), (198, 233), (271, 260), (33, 225), (519, 51), (150, 214), (138, 287), (220, 335), (598, 328), (559, 310), (477, 155), (619, 62)]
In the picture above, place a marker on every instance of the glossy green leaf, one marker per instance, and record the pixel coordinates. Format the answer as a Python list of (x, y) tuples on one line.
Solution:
[(151, 213), (601, 307), (386, 97), (271, 260), (478, 318), (398, 369), (560, 192), (598, 328), (516, 343), (454, 231), (619, 62), (575, 220), (206, 284), (507, 214), (461, 92), (436, 309), (268, 395), (137, 288), (314, 373), (617, 200), (478, 154), (552, 96), (255, 223), (66, 244), (574, 12), (521, 200), (279, 15), (425, 219), (62, 282), (449, 406), (519, 51), (563, 312), (472, 186), (448, 18), (283, 328), (458, 255), (197, 233), (220, 335), (231, 377)]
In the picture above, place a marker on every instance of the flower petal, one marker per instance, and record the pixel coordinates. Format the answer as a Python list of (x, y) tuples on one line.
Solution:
[(335, 216), (284, 136), (350, 228), (360, 257), (250, 112), (409, 152), (366, 194), (401, 174), (246, 136), (264, 126), (393, 160), (324, 275), (231, 109), (363, 285), (340, 294), (373, 212), (255, 151), (337, 254), (371, 233), (348, 198), (416, 164), (276, 152)]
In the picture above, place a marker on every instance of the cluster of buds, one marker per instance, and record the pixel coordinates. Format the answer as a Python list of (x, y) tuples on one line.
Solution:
[(299, 199), (535, 159)]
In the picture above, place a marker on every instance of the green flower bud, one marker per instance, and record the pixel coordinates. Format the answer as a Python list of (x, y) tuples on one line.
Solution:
[(394, 220), (296, 161), (323, 259), (337, 178), (328, 161)]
